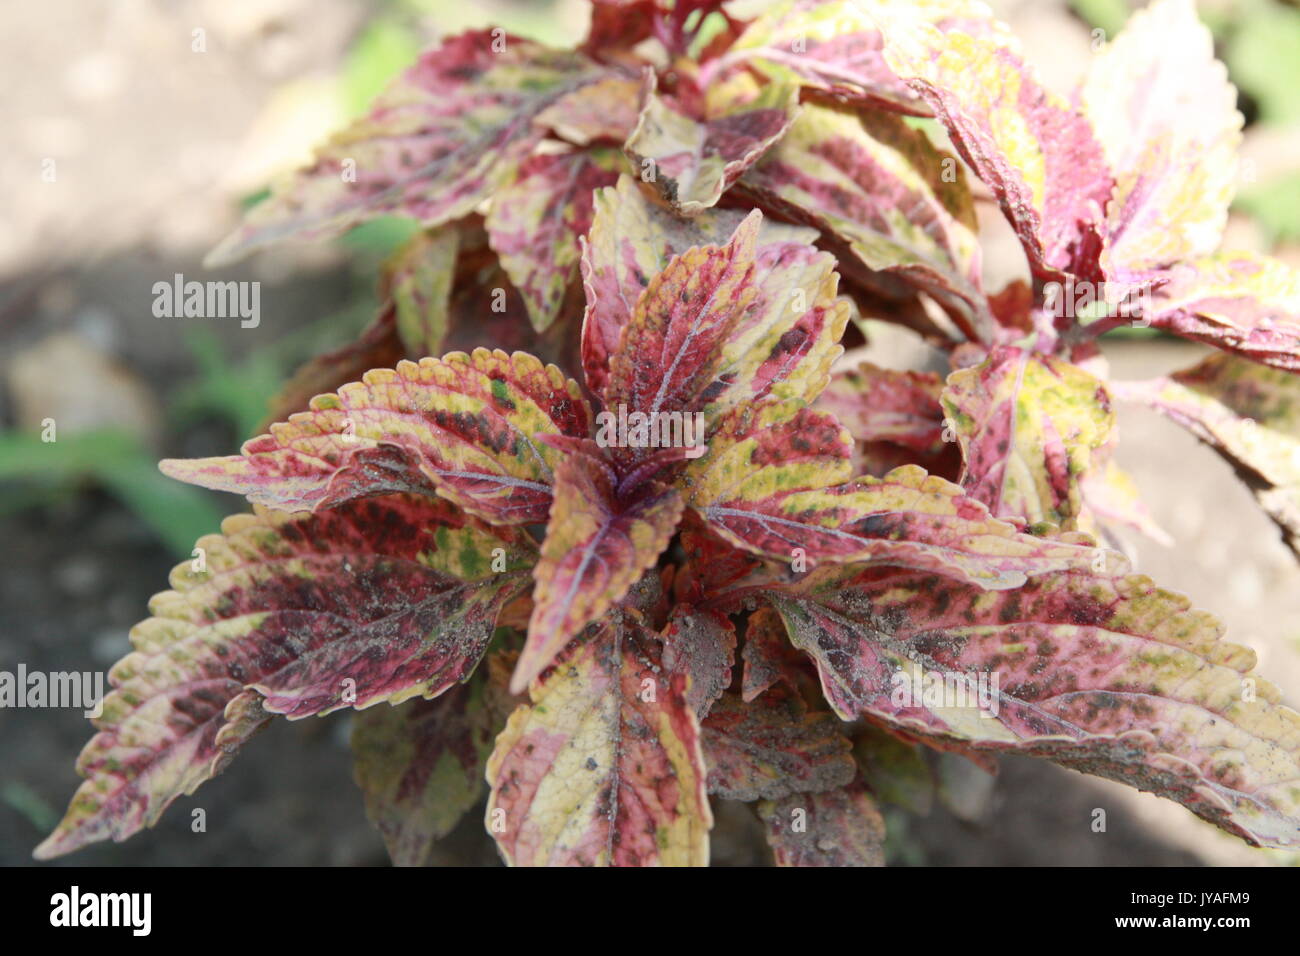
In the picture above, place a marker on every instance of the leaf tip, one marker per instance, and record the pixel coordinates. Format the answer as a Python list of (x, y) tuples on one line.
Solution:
[(523, 675), (229, 250)]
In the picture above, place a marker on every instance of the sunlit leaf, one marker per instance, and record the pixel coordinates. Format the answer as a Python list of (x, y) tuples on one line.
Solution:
[(1103, 673), (705, 339), (1027, 425), (777, 486), (830, 47), (878, 185), (691, 161), (1036, 153), (465, 424), (378, 600), (632, 240), (597, 545), (433, 146), (1165, 115), (1238, 302), (536, 220), (605, 767)]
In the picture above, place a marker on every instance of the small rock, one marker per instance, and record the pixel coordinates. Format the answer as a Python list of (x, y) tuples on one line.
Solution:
[(68, 379)]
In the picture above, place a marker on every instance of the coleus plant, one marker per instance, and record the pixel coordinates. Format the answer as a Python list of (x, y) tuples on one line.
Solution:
[(535, 586)]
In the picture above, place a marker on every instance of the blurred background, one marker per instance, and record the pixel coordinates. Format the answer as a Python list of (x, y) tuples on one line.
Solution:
[(155, 147)]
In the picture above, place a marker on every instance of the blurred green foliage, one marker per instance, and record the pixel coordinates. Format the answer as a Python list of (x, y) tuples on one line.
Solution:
[(1275, 205), (234, 392), (1110, 15), (386, 47), (44, 472), (1261, 45)]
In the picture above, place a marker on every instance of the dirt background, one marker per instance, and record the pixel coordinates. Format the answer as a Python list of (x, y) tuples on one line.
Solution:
[(155, 145)]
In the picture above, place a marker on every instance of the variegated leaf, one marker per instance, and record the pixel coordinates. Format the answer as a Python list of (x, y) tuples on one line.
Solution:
[(1028, 425), (605, 111), (670, 350), (769, 657), (878, 185), (465, 424), (879, 404), (605, 767), (434, 145), (831, 47), (597, 545), (1103, 673), (700, 643), (136, 772), (771, 747), (1034, 151), (632, 240), (536, 220), (692, 162), (420, 764), (377, 600), (1165, 115), (760, 454), (1237, 302), (839, 827), (895, 418), (701, 340), (417, 280), (776, 485)]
